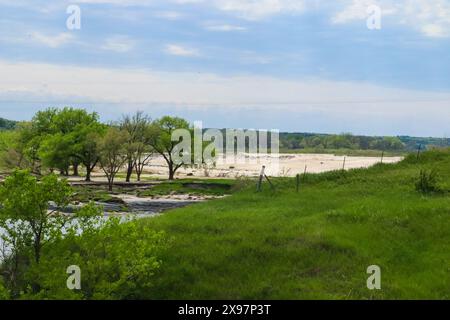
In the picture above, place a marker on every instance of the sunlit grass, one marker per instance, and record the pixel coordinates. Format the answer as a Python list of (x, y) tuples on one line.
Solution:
[(316, 243)]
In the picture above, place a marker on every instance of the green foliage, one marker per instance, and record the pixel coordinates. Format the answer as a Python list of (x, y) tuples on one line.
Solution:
[(161, 140), (196, 187), (138, 149), (322, 142), (428, 181), (4, 293), (23, 197), (7, 124), (314, 244), (54, 139), (28, 224), (117, 261), (112, 153), (56, 152)]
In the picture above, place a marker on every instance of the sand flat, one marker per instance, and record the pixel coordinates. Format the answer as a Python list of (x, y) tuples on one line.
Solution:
[(288, 165)]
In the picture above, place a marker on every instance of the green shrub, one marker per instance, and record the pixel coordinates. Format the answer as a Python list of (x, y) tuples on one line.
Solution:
[(428, 181), (4, 294), (117, 261)]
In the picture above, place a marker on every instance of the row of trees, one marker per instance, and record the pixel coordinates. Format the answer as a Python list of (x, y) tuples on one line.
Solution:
[(64, 139), (342, 141)]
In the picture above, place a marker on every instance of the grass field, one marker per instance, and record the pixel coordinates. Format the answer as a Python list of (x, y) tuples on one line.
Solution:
[(316, 243)]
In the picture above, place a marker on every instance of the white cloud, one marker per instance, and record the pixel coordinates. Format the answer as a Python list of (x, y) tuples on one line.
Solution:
[(178, 50), (356, 10), (169, 15), (118, 43), (118, 2), (52, 41), (431, 18), (259, 9), (224, 28), (435, 31), (132, 86)]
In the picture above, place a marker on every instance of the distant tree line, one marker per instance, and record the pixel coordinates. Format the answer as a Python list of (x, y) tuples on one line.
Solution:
[(298, 141), (7, 124), (339, 141)]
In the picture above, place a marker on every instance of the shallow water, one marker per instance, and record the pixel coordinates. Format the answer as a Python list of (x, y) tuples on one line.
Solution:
[(136, 208)]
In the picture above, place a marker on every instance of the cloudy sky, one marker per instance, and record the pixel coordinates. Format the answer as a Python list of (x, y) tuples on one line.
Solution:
[(293, 65)]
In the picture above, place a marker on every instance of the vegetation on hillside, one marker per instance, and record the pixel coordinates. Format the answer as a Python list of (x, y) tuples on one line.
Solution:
[(351, 144), (7, 124), (278, 243), (316, 243)]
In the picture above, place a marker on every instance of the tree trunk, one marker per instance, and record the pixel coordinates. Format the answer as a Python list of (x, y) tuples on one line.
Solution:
[(129, 171), (171, 172), (75, 170), (110, 184), (88, 174)]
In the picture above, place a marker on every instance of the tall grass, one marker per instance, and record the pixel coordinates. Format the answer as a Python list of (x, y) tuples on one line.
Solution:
[(316, 243)]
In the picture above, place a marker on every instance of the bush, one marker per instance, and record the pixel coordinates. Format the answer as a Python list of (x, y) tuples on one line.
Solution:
[(4, 294), (427, 181), (117, 261)]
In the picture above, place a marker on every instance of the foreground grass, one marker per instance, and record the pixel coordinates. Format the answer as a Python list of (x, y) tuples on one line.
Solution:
[(316, 243)]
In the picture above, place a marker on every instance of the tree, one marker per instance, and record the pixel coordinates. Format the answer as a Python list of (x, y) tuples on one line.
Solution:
[(25, 216), (56, 151), (31, 219), (86, 148), (112, 153), (161, 140), (111, 267), (13, 150), (66, 137), (69, 122), (137, 127), (142, 156)]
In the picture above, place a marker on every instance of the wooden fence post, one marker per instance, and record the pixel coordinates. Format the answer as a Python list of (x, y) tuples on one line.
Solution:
[(343, 165), (261, 176), (382, 156), (298, 182)]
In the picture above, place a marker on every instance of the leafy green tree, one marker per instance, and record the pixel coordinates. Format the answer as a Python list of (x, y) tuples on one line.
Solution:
[(24, 214), (161, 140), (111, 267), (12, 150), (31, 218), (56, 152), (112, 153), (136, 127), (64, 137), (86, 145), (25, 199)]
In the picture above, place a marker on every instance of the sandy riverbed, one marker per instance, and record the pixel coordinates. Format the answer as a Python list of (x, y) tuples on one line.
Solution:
[(284, 165)]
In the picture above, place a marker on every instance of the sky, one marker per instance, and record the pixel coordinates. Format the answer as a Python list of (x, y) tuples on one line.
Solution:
[(292, 65)]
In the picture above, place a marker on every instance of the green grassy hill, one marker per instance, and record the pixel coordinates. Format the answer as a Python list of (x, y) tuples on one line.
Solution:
[(316, 243)]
